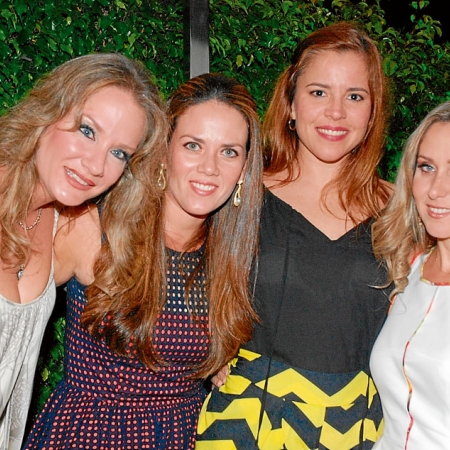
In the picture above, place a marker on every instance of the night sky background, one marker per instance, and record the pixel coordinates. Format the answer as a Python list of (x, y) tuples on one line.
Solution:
[(398, 13)]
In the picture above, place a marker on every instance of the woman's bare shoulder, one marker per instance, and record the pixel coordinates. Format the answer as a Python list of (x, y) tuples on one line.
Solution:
[(76, 243)]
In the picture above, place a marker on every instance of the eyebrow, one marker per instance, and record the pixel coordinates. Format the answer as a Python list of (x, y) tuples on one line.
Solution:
[(427, 158), (327, 86)]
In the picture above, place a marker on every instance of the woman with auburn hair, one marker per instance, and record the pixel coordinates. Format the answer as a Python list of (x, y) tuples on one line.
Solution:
[(303, 380), (85, 127), (168, 301), (410, 358)]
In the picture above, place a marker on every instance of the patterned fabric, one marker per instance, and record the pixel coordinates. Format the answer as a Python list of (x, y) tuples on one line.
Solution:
[(22, 328), (301, 409), (410, 363), (110, 402)]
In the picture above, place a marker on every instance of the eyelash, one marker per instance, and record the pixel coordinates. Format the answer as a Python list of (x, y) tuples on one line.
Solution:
[(190, 145), (235, 153), (425, 167), (321, 92), (193, 146), (83, 127), (123, 157)]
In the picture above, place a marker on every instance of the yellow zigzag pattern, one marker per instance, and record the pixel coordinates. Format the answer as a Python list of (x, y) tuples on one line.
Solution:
[(280, 385)]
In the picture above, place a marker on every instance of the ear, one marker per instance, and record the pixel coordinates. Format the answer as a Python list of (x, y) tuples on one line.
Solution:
[(244, 169), (293, 115)]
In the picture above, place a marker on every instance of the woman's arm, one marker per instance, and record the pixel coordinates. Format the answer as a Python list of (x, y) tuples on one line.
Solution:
[(76, 244)]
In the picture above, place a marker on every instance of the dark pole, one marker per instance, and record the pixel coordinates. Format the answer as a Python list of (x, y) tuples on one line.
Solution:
[(196, 37)]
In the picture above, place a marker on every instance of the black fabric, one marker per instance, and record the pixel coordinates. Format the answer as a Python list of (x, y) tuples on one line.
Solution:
[(331, 312)]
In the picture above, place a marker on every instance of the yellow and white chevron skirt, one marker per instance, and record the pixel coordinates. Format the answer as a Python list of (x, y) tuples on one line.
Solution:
[(302, 409)]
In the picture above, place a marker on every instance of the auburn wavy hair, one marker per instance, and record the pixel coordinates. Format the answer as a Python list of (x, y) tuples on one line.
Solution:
[(129, 291), (359, 186)]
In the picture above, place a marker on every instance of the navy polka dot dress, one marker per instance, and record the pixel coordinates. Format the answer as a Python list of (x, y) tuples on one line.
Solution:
[(109, 402)]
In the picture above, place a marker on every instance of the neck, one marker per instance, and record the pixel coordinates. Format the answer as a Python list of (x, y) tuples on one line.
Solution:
[(39, 198), (318, 171), (442, 258)]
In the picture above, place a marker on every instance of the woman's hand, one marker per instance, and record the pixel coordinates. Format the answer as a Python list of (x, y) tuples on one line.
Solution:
[(220, 377)]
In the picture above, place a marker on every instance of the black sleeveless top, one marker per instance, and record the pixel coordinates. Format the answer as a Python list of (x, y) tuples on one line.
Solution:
[(317, 298)]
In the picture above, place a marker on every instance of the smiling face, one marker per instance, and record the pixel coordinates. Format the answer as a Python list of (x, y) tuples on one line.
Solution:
[(207, 157), (332, 105), (75, 165), (431, 182)]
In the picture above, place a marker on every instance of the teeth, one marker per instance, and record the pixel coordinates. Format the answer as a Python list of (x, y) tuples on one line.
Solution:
[(76, 177), (203, 187), (332, 132), (439, 210)]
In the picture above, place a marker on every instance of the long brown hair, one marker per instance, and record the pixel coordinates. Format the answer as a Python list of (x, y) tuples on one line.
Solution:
[(358, 184), (55, 95), (130, 296), (398, 231)]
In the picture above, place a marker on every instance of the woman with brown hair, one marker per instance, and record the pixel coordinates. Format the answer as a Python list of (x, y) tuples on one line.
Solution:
[(87, 126), (168, 300), (303, 381)]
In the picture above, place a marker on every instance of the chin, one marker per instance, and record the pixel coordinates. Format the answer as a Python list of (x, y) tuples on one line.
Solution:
[(68, 200)]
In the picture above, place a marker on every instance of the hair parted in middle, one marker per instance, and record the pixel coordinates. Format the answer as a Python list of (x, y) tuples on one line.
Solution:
[(358, 184), (398, 231), (230, 237)]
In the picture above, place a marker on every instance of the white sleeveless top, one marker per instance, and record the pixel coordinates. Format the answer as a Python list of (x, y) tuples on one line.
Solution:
[(410, 364), (22, 328)]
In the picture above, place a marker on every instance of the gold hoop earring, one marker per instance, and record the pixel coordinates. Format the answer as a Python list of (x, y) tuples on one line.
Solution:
[(161, 182), (237, 195), (291, 124)]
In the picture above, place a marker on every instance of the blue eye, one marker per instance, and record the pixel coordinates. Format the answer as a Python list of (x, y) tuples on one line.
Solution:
[(87, 131), (122, 155), (424, 167)]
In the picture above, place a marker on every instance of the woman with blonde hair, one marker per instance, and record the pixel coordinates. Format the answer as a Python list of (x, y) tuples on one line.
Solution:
[(303, 380), (86, 127), (172, 304), (410, 359)]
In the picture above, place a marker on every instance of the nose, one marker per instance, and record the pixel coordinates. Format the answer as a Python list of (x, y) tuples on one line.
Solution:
[(94, 161), (208, 164), (440, 186), (335, 109)]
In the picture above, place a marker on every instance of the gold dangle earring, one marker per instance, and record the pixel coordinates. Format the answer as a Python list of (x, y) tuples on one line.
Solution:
[(237, 195), (161, 182), (419, 220)]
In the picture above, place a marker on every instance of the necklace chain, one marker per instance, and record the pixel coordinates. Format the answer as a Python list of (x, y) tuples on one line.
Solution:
[(38, 219)]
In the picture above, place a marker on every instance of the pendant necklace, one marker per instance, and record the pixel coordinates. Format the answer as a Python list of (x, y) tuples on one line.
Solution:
[(38, 219)]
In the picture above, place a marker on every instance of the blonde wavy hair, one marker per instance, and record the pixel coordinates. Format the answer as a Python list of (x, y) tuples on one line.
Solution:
[(398, 232), (359, 186), (129, 291), (55, 95)]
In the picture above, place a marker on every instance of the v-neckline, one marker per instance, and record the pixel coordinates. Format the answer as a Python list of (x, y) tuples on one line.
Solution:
[(311, 225)]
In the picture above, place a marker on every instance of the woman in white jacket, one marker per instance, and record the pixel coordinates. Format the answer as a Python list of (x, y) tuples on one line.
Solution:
[(410, 361)]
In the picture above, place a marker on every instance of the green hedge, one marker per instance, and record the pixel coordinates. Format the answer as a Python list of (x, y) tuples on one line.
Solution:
[(251, 40)]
